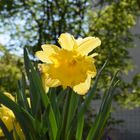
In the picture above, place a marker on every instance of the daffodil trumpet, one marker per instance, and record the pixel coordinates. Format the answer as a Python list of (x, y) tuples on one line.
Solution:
[(71, 65)]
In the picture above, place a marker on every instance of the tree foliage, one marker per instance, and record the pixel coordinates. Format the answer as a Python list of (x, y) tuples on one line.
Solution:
[(112, 22), (10, 70), (37, 21)]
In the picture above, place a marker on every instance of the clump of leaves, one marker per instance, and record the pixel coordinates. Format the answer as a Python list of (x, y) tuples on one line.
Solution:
[(10, 70), (58, 115)]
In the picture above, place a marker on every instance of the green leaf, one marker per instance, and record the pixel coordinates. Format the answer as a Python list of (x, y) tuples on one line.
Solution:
[(54, 103), (72, 108), (64, 115), (96, 130), (85, 105), (37, 92), (16, 136), (21, 91), (80, 126), (34, 85)]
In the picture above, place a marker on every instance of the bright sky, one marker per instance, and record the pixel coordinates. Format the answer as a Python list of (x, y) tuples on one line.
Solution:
[(4, 39)]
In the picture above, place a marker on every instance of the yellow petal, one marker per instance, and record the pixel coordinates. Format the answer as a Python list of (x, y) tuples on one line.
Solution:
[(9, 95), (29, 101), (1, 133), (46, 89), (83, 88), (66, 41), (41, 55), (7, 116), (52, 82), (47, 81), (94, 54), (48, 50), (87, 44), (19, 131), (79, 41), (92, 72)]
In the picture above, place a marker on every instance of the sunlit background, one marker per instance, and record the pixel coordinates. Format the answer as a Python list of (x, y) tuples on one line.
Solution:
[(117, 23)]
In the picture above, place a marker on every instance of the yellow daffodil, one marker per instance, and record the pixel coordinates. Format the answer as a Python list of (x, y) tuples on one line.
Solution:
[(9, 95), (19, 131), (6, 115), (8, 118), (71, 65)]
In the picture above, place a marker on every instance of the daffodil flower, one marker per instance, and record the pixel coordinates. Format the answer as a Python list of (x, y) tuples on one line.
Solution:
[(71, 65), (8, 118)]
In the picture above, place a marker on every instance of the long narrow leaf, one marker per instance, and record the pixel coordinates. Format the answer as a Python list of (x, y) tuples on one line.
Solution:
[(86, 104), (33, 85), (36, 86), (73, 104), (64, 115), (22, 88), (102, 117)]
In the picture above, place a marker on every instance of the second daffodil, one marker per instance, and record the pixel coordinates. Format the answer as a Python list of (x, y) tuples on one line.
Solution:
[(71, 65)]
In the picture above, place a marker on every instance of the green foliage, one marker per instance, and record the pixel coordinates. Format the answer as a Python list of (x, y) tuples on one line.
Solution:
[(10, 70), (112, 21), (31, 23), (130, 98), (114, 32), (34, 22), (56, 115)]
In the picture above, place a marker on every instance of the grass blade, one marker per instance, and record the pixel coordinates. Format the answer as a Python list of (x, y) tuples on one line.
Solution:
[(86, 104), (72, 107), (96, 130), (38, 94)]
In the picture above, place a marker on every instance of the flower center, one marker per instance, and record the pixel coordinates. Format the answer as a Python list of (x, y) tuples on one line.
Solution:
[(69, 67), (72, 62)]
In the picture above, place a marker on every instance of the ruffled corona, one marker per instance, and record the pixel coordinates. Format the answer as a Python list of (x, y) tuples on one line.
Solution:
[(69, 66)]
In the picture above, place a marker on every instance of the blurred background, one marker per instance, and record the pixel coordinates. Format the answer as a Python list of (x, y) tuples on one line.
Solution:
[(31, 23)]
